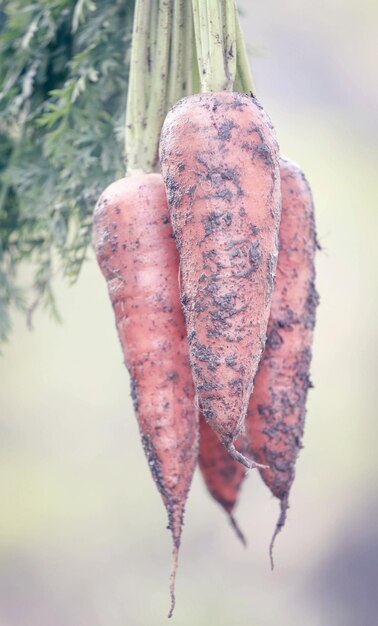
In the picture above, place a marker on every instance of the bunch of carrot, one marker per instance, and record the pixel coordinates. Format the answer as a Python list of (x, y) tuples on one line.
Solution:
[(209, 264)]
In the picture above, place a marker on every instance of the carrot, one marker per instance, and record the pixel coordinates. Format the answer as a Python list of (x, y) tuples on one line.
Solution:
[(138, 257), (223, 475), (275, 417), (272, 439), (219, 160)]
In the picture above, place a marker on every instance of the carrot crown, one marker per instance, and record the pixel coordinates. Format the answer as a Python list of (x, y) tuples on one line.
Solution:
[(179, 47)]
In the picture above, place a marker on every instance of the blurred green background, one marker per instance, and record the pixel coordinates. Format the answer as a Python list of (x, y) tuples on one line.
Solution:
[(82, 527)]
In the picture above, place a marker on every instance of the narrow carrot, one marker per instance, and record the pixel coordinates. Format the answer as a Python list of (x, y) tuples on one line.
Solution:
[(219, 160), (223, 475), (276, 412), (139, 260), (273, 430)]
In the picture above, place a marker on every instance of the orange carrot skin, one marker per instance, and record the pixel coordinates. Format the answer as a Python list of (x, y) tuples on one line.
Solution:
[(276, 411), (138, 257), (274, 433), (219, 160), (223, 475)]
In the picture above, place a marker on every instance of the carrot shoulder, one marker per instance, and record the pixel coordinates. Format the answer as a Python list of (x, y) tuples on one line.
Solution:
[(219, 160), (276, 412), (138, 257)]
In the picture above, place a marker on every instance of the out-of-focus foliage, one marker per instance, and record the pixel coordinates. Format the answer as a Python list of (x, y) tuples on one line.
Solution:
[(63, 81)]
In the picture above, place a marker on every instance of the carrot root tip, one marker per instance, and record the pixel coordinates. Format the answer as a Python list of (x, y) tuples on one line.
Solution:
[(279, 526), (238, 456), (173, 579), (237, 529)]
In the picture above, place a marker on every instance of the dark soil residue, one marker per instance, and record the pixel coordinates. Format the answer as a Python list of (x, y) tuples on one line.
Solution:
[(274, 340), (312, 302), (255, 255), (206, 355), (224, 131), (155, 467), (134, 392)]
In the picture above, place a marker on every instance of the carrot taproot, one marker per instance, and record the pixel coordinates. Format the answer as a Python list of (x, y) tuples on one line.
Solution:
[(138, 257), (219, 160), (295, 271), (276, 411), (223, 475)]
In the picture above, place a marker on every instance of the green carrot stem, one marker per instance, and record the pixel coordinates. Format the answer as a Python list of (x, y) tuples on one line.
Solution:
[(200, 26), (159, 80), (139, 78), (216, 75), (229, 40), (177, 57), (194, 73), (215, 35), (146, 100), (153, 32), (244, 75), (189, 48)]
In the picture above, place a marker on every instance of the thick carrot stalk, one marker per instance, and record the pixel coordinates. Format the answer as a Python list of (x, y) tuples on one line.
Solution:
[(139, 85), (147, 92), (219, 160), (243, 71), (215, 36), (276, 412), (138, 257), (178, 56)]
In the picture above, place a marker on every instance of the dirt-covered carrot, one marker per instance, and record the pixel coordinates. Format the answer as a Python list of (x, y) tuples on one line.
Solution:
[(223, 475), (274, 429), (138, 257), (276, 411), (219, 159), (136, 251)]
